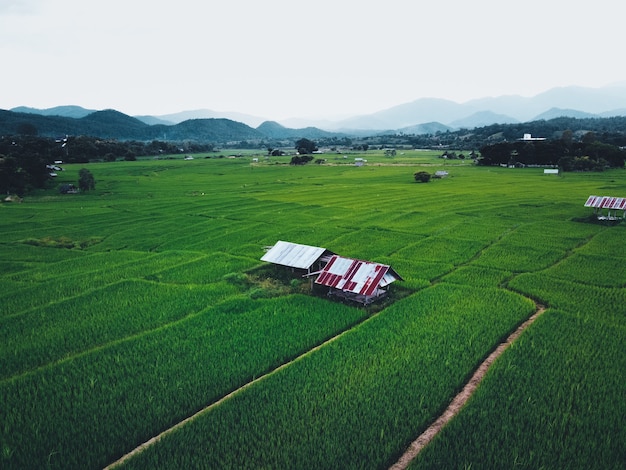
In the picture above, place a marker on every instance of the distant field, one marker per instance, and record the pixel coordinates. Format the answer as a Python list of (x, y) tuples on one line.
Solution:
[(126, 310)]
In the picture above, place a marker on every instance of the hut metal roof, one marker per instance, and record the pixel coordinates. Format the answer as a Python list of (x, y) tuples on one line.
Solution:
[(359, 277), (606, 202), (293, 255)]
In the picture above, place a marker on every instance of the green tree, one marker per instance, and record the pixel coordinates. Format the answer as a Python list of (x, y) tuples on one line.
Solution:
[(422, 176), (86, 180), (305, 146)]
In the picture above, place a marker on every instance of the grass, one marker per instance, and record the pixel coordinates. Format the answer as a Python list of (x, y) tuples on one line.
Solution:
[(127, 309)]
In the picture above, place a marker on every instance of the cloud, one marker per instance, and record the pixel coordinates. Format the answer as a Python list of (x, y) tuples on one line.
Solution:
[(19, 7)]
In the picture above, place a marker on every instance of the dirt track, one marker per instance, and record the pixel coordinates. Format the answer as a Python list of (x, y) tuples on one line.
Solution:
[(457, 403), (416, 446)]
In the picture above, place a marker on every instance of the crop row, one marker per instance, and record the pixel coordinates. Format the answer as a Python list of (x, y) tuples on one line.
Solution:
[(533, 409), (573, 297), (442, 249), (206, 270), (40, 286), (478, 276), (90, 409), (51, 333), (358, 401), (555, 399), (599, 270)]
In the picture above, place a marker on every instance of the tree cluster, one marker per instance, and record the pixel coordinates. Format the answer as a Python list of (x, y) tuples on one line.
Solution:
[(588, 154), (300, 159), (23, 163), (86, 180), (305, 146), (24, 159), (422, 176)]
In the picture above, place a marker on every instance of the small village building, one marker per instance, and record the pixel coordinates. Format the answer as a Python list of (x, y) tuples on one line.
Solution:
[(360, 281), (357, 280), (530, 138), (297, 256)]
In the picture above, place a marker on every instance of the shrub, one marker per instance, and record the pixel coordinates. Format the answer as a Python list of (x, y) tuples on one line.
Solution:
[(422, 177), (260, 293), (239, 279)]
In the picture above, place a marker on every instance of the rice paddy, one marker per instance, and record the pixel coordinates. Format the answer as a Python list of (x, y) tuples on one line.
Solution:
[(126, 310)]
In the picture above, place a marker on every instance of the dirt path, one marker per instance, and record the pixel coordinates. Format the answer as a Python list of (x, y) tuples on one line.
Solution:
[(457, 403), (157, 438), (413, 449)]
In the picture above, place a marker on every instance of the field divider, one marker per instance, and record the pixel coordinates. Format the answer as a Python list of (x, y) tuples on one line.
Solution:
[(91, 290), (154, 440), (463, 396), (108, 344)]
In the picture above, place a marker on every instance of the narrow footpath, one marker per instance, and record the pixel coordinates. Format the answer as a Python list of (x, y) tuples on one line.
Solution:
[(459, 401), (415, 447)]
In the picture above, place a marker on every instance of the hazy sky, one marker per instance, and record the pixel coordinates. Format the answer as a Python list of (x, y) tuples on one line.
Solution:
[(286, 58)]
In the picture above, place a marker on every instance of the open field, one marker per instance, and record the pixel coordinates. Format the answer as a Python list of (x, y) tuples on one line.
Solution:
[(126, 310)]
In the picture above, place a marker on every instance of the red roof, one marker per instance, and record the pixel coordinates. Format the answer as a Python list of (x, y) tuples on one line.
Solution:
[(606, 202), (353, 275)]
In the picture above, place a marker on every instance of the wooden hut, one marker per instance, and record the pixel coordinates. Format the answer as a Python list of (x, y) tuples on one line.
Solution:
[(361, 281)]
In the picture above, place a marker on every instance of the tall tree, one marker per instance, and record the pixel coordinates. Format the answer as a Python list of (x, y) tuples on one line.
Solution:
[(86, 180), (305, 146)]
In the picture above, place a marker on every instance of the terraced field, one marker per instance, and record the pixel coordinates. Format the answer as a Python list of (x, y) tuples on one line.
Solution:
[(142, 309)]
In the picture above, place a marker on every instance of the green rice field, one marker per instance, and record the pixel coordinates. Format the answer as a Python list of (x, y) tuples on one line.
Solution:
[(126, 310)]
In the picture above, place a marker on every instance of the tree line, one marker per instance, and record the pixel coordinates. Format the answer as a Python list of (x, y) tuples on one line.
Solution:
[(26, 161), (588, 154)]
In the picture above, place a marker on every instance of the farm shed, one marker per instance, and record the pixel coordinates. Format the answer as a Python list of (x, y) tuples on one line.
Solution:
[(296, 256), (612, 204), (361, 281)]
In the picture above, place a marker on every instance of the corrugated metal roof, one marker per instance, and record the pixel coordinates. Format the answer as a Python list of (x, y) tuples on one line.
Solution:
[(293, 255), (352, 275), (606, 202)]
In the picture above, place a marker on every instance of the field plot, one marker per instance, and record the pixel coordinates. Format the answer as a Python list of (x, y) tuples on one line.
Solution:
[(126, 310), (353, 403), (534, 409)]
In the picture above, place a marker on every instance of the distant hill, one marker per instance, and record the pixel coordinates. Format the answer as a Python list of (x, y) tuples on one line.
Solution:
[(613, 113), (426, 128), (482, 118), (176, 118), (209, 130), (75, 112), (606, 101), (274, 130), (409, 114), (112, 124), (152, 121), (558, 112), (417, 117)]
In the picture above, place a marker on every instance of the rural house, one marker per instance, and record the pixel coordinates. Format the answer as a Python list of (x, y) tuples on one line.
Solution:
[(296, 256), (360, 281), (353, 279)]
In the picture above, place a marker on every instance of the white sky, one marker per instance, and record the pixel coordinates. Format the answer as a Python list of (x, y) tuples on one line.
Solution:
[(292, 58)]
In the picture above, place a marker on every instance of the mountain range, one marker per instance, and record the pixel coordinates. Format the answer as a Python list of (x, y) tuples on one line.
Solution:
[(422, 116)]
